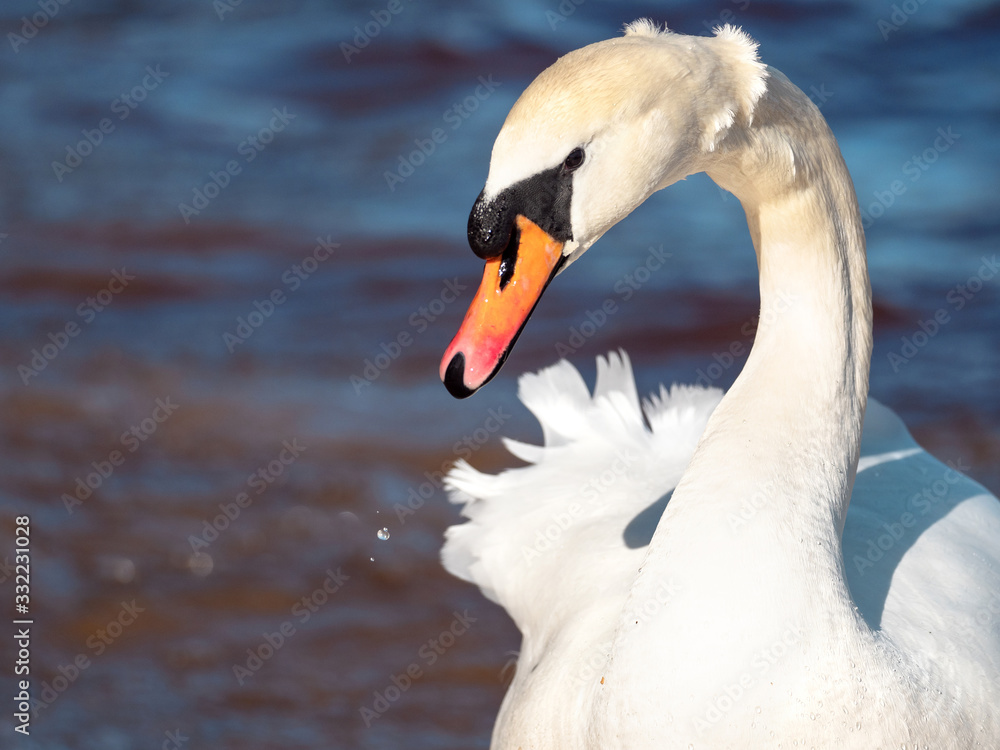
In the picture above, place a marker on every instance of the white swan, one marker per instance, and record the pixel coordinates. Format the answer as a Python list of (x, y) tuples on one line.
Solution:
[(753, 609)]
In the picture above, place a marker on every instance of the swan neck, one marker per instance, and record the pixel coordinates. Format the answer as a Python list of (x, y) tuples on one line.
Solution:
[(807, 374), (766, 492), (750, 540)]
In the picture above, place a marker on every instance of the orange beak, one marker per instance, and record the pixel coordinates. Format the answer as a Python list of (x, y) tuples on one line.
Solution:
[(502, 306)]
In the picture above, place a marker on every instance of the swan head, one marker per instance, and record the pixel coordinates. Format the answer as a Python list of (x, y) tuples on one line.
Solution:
[(590, 139)]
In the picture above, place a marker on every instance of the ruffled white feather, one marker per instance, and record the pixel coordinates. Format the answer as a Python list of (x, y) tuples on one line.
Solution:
[(605, 460)]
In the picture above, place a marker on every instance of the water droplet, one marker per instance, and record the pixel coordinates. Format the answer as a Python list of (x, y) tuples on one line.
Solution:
[(812, 716), (372, 559), (858, 725), (120, 569), (383, 533), (757, 709), (200, 564)]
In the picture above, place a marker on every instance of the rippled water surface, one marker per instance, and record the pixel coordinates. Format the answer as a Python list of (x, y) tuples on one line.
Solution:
[(227, 285)]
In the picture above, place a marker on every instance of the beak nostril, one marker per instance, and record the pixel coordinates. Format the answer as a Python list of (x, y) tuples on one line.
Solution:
[(508, 259)]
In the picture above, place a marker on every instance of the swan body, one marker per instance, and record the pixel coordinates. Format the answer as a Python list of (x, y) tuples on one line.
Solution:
[(771, 567)]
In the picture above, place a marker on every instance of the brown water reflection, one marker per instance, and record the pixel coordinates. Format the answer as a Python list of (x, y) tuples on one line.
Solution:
[(287, 622), (378, 611)]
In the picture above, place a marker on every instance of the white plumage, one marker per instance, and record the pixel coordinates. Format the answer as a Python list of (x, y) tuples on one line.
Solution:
[(557, 543), (526, 520), (709, 572)]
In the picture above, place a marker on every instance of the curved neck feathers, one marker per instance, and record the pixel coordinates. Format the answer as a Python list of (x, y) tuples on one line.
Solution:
[(750, 540), (800, 400)]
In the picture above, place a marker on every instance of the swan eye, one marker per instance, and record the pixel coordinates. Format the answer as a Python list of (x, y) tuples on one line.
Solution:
[(574, 160)]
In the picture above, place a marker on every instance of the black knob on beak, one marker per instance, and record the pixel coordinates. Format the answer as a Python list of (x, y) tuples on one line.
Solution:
[(490, 225)]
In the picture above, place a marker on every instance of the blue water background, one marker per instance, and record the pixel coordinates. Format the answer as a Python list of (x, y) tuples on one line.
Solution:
[(888, 81)]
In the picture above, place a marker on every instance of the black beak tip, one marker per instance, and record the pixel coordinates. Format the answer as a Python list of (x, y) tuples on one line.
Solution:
[(454, 377)]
